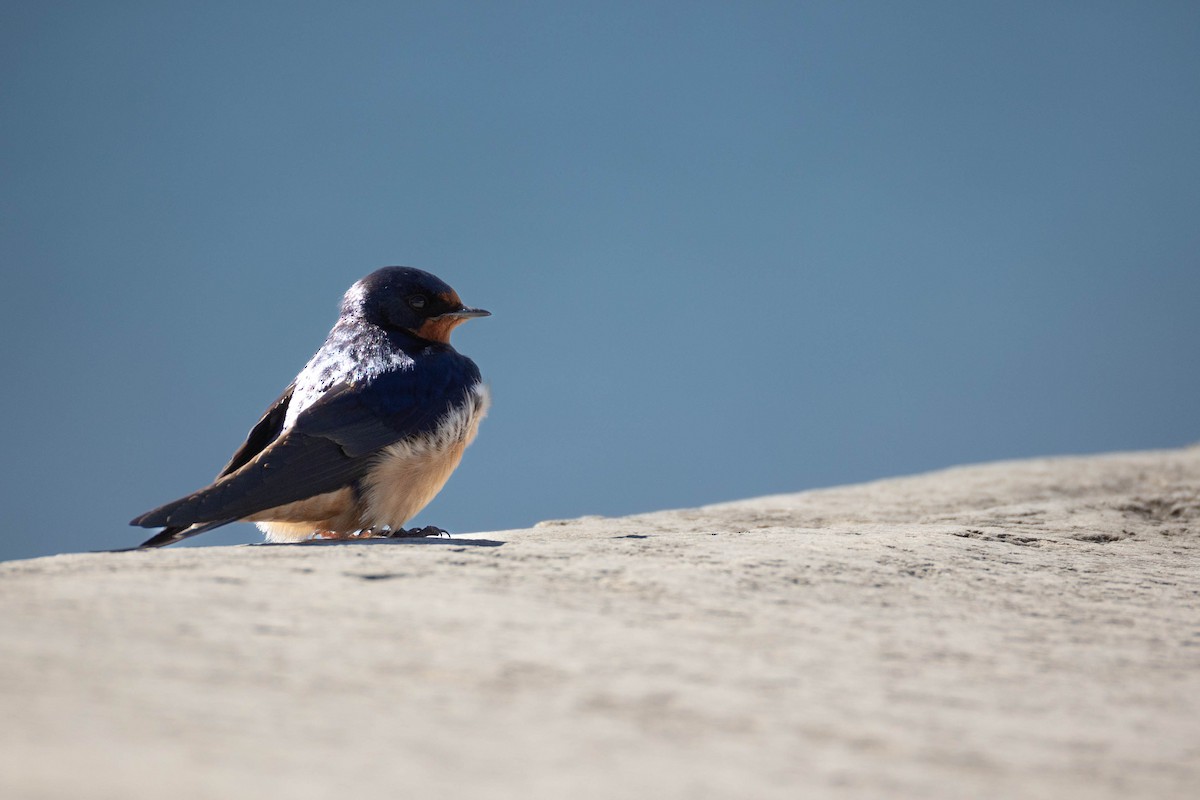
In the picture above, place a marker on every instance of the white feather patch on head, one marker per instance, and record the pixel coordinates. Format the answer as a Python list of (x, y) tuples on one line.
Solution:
[(354, 297)]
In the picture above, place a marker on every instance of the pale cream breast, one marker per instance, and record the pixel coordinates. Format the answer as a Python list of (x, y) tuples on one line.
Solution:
[(403, 483)]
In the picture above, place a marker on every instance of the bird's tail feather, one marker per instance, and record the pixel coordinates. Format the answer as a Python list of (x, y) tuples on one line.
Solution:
[(161, 516), (177, 533)]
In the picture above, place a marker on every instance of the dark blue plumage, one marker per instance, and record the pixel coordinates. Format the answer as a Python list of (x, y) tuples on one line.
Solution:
[(367, 432)]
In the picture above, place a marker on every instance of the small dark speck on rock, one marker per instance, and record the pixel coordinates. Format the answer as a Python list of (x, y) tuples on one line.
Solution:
[(1099, 538)]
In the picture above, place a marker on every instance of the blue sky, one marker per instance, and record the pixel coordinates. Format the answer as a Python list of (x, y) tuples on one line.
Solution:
[(731, 249)]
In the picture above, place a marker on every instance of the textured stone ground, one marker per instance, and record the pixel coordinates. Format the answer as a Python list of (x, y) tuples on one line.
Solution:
[(1026, 629)]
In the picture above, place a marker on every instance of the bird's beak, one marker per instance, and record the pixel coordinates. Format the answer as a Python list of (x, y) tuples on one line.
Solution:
[(464, 313)]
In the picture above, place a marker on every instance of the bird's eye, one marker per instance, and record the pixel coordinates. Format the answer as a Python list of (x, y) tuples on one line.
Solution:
[(417, 301)]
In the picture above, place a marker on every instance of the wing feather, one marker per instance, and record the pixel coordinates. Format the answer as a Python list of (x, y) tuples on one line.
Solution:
[(263, 433)]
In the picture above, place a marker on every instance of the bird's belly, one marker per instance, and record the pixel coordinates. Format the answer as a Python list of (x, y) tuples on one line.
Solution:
[(399, 486), (403, 483), (294, 522)]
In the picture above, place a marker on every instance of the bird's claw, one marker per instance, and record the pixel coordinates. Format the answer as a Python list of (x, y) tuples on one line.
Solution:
[(414, 533)]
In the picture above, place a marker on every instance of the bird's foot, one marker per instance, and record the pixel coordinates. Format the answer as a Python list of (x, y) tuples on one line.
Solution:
[(413, 533), (344, 535)]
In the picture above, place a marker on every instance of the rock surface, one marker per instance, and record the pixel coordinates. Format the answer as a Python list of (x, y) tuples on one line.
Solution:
[(1025, 629)]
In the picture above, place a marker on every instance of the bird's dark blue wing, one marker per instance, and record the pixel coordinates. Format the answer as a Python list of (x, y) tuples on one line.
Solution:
[(332, 442)]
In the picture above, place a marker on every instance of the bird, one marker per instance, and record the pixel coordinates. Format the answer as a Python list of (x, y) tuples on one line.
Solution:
[(364, 437)]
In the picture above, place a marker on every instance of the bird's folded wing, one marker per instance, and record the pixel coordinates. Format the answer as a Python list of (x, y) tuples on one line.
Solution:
[(331, 444), (262, 434)]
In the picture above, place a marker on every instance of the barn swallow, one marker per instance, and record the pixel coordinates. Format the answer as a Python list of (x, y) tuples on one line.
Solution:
[(365, 436)]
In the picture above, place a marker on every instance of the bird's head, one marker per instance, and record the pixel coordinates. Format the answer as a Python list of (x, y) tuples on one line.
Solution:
[(409, 299)]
